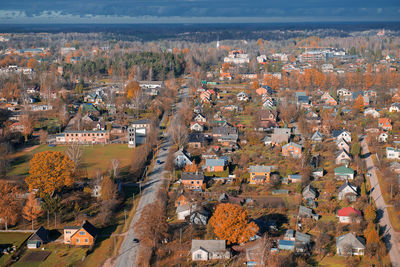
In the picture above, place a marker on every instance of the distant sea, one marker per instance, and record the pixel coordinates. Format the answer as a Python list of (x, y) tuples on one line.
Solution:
[(209, 31)]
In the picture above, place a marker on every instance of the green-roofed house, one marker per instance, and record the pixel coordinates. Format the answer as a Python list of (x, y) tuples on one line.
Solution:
[(344, 173)]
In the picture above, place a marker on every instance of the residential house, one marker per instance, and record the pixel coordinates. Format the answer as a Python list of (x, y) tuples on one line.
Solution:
[(343, 93), (327, 99), (278, 139), (195, 140), (344, 173), (342, 157), (199, 217), (242, 96), (267, 118), (260, 174), (196, 126), (204, 250), (183, 211), (341, 144), (192, 180), (286, 131), (309, 192), (345, 214), (305, 212), (371, 112), (182, 200), (200, 118), (302, 242), (317, 137), (349, 245), (214, 165), (317, 173), (344, 134), (347, 191), (392, 153), (84, 235), (383, 137), (39, 237), (182, 158), (385, 124), (286, 245), (292, 149), (142, 126), (395, 107), (294, 178)]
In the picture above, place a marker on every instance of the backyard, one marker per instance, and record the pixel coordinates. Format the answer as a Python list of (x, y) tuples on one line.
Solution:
[(10, 239)]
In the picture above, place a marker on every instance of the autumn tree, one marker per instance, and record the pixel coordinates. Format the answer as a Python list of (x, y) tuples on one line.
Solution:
[(132, 90), (10, 205), (32, 209), (74, 153), (109, 189), (49, 171), (231, 223), (32, 63), (115, 163), (370, 212), (359, 104)]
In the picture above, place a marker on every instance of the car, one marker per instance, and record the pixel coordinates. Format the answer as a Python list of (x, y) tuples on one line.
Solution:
[(368, 174), (52, 145), (135, 241), (158, 161)]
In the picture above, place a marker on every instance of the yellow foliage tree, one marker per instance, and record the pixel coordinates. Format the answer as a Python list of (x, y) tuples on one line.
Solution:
[(32, 63), (49, 171), (231, 223), (359, 103), (132, 90), (371, 235)]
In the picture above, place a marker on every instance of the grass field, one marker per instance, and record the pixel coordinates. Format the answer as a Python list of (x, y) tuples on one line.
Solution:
[(94, 157), (15, 239)]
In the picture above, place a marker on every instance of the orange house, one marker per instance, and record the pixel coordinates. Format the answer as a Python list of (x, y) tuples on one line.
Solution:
[(260, 174), (385, 124), (84, 235), (291, 149), (181, 201), (331, 102)]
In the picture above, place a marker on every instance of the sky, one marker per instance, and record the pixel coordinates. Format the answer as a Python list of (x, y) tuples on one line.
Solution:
[(196, 11)]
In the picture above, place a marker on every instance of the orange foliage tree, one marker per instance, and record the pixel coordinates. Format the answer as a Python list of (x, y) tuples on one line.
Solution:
[(132, 90), (359, 103), (49, 171), (231, 223), (32, 63), (32, 209), (10, 205)]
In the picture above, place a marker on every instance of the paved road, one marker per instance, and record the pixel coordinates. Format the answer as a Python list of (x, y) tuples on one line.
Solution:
[(127, 256), (391, 237)]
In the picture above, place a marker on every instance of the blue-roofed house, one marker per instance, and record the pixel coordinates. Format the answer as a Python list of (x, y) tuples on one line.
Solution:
[(214, 165)]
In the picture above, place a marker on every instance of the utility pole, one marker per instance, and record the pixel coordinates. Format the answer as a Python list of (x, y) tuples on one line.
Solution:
[(125, 216)]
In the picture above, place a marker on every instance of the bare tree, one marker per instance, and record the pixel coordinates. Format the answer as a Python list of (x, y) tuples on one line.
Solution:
[(43, 136), (178, 131), (115, 167), (74, 153)]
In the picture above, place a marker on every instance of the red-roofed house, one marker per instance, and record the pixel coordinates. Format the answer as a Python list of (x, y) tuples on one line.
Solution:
[(385, 124), (345, 214)]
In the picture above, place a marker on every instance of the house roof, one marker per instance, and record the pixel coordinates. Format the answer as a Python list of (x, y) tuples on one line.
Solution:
[(261, 168), (347, 184), (309, 189), (40, 234), (347, 211), (285, 243), (192, 176), (351, 239), (303, 238), (292, 144), (214, 162), (282, 131), (336, 133), (88, 227), (196, 137), (343, 170), (141, 122), (279, 138), (209, 245), (340, 152)]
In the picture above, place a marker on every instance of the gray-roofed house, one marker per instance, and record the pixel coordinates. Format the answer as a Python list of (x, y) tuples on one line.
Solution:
[(349, 244), (317, 137), (195, 140), (286, 131), (182, 158), (199, 217), (204, 250), (347, 191), (342, 157), (309, 192), (214, 165), (260, 174), (279, 138), (302, 241), (305, 212), (39, 237)]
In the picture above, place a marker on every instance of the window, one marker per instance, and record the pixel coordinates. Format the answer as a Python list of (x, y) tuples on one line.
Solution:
[(67, 232), (198, 182), (82, 233), (67, 134), (77, 240), (192, 182), (198, 256), (86, 240)]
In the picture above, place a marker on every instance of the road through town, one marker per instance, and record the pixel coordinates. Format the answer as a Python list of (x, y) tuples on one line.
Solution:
[(391, 237)]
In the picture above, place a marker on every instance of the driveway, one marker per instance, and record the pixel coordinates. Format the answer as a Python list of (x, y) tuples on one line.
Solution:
[(391, 237)]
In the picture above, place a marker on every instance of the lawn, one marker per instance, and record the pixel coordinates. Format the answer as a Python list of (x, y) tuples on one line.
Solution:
[(93, 158), (16, 239)]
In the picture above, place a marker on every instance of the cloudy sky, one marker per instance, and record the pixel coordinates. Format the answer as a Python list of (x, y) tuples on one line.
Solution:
[(196, 11)]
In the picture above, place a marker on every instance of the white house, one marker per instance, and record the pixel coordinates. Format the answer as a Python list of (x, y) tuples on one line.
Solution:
[(349, 244), (383, 137), (342, 157), (200, 118), (343, 92), (204, 250), (371, 112), (344, 134), (347, 191), (242, 96), (341, 144), (196, 126), (182, 158), (392, 153), (395, 107)]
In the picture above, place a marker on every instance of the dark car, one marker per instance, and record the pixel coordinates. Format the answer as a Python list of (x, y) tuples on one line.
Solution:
[(135, 240), (158, 161)]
